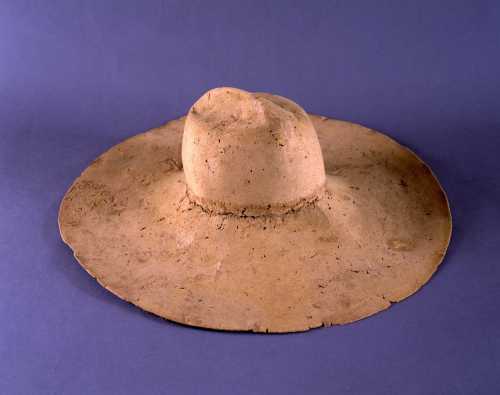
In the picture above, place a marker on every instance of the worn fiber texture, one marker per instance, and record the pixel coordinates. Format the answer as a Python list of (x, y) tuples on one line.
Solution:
[(375, 235)]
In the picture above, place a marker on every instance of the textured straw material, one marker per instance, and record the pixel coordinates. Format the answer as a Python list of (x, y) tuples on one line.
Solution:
[(249, 214)]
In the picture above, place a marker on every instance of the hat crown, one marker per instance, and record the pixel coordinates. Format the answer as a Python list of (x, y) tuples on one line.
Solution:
[(250, 153)]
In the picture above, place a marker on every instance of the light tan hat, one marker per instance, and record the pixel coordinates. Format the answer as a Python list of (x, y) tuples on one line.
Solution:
[(249, 214)]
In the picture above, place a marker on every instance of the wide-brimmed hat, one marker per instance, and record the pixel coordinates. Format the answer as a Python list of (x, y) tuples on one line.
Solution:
[(250, 214)]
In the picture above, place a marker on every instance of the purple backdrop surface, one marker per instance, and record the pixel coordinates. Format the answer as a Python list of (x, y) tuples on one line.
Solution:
[(77, 77)]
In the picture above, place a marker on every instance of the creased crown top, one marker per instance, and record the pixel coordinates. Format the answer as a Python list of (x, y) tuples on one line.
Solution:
[(250, 153)]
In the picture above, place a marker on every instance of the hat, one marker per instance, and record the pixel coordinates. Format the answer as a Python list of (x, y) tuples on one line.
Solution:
[(250, 214)]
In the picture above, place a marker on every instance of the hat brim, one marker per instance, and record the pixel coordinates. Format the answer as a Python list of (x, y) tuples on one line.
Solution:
[(375, 236)]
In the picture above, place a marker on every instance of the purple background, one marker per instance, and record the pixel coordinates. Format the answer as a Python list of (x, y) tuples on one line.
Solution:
[(77, 77)]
